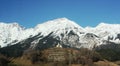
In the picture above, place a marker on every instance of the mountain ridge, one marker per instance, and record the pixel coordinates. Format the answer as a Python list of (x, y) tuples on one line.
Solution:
[(64, 31)]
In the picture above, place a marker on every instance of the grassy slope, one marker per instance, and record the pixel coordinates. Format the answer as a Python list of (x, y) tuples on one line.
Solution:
[(24, 62)]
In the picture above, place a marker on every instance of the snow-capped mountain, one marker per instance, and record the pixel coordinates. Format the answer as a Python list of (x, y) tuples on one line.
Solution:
[(58, 26), (63, 31), (105, 31), (11, 33)]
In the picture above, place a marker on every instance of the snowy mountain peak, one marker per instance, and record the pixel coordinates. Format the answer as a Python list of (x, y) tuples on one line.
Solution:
[(102, 24), (10, 25), (58, 26), (9, 32), (60, 22), (112, 28), (107, 25)]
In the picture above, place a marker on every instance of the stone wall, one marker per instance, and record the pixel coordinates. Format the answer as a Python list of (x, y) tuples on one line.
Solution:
[(56, 54)]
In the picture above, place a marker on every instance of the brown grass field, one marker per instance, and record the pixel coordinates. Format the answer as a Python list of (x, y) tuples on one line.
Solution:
[(25, 62)]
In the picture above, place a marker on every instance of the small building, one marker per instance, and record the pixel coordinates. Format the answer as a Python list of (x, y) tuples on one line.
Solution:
[(59, 46)]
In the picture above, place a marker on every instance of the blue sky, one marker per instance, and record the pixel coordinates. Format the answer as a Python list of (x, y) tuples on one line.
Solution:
[(29, 13)]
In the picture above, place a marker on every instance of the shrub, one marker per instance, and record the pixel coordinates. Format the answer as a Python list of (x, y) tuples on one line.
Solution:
[(3, 60), (34, 56), (110, 54)]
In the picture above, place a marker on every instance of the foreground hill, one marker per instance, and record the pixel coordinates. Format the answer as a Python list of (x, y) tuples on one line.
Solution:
[(57, 57)]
